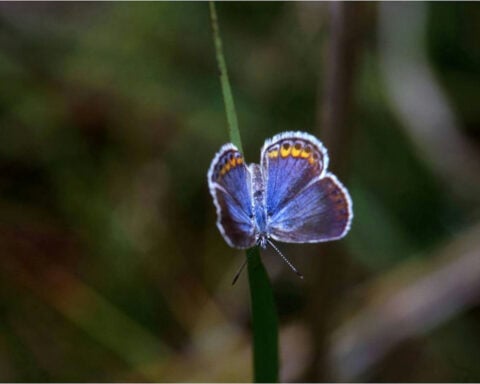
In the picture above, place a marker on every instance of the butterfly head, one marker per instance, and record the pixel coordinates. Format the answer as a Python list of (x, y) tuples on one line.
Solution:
[(262, 240)]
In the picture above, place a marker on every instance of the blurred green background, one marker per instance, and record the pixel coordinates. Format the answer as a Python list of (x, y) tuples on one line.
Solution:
[(112, 268)]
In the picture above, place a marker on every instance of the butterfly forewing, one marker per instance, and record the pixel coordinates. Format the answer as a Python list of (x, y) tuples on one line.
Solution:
[(290, 161), (229, 181)]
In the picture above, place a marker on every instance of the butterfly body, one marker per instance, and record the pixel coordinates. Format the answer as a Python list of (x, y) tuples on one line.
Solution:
[(288, 197), (258, 192)]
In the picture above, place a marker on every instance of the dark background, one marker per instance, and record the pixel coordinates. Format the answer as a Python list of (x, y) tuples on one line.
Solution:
[(112, 268)]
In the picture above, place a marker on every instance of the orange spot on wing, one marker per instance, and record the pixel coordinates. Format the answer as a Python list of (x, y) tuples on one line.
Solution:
[(273, 154), (225, 169), (284, 152), (304, 154), (296, 152)]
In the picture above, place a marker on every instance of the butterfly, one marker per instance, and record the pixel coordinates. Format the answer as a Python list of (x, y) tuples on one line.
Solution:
[(289, 197)]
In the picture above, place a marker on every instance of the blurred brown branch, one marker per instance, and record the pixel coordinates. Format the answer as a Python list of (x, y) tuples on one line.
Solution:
[(335, 124), (420, 101), (335, 106), (409, 301)]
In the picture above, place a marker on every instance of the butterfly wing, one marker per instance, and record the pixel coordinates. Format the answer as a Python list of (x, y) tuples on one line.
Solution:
[(320, 212), (229, 181), (304, 203)]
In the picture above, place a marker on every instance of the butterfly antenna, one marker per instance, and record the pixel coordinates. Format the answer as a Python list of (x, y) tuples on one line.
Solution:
[(237, 275), (285, 259)]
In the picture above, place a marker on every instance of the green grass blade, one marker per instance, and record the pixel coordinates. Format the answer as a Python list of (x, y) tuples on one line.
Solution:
[(264, 315), (264, 320), (226, 90)]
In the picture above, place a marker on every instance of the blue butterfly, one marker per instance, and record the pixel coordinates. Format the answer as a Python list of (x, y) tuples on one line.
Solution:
[(289, 197)]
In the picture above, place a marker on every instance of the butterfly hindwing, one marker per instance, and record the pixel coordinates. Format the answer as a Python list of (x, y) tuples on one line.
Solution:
[(320, 212), (229, 181)]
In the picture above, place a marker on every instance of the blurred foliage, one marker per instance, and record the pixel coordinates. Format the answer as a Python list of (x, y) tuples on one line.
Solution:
[(112, 267)]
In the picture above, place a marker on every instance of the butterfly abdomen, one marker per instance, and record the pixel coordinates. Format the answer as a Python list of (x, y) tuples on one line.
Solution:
[(258, 192)]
